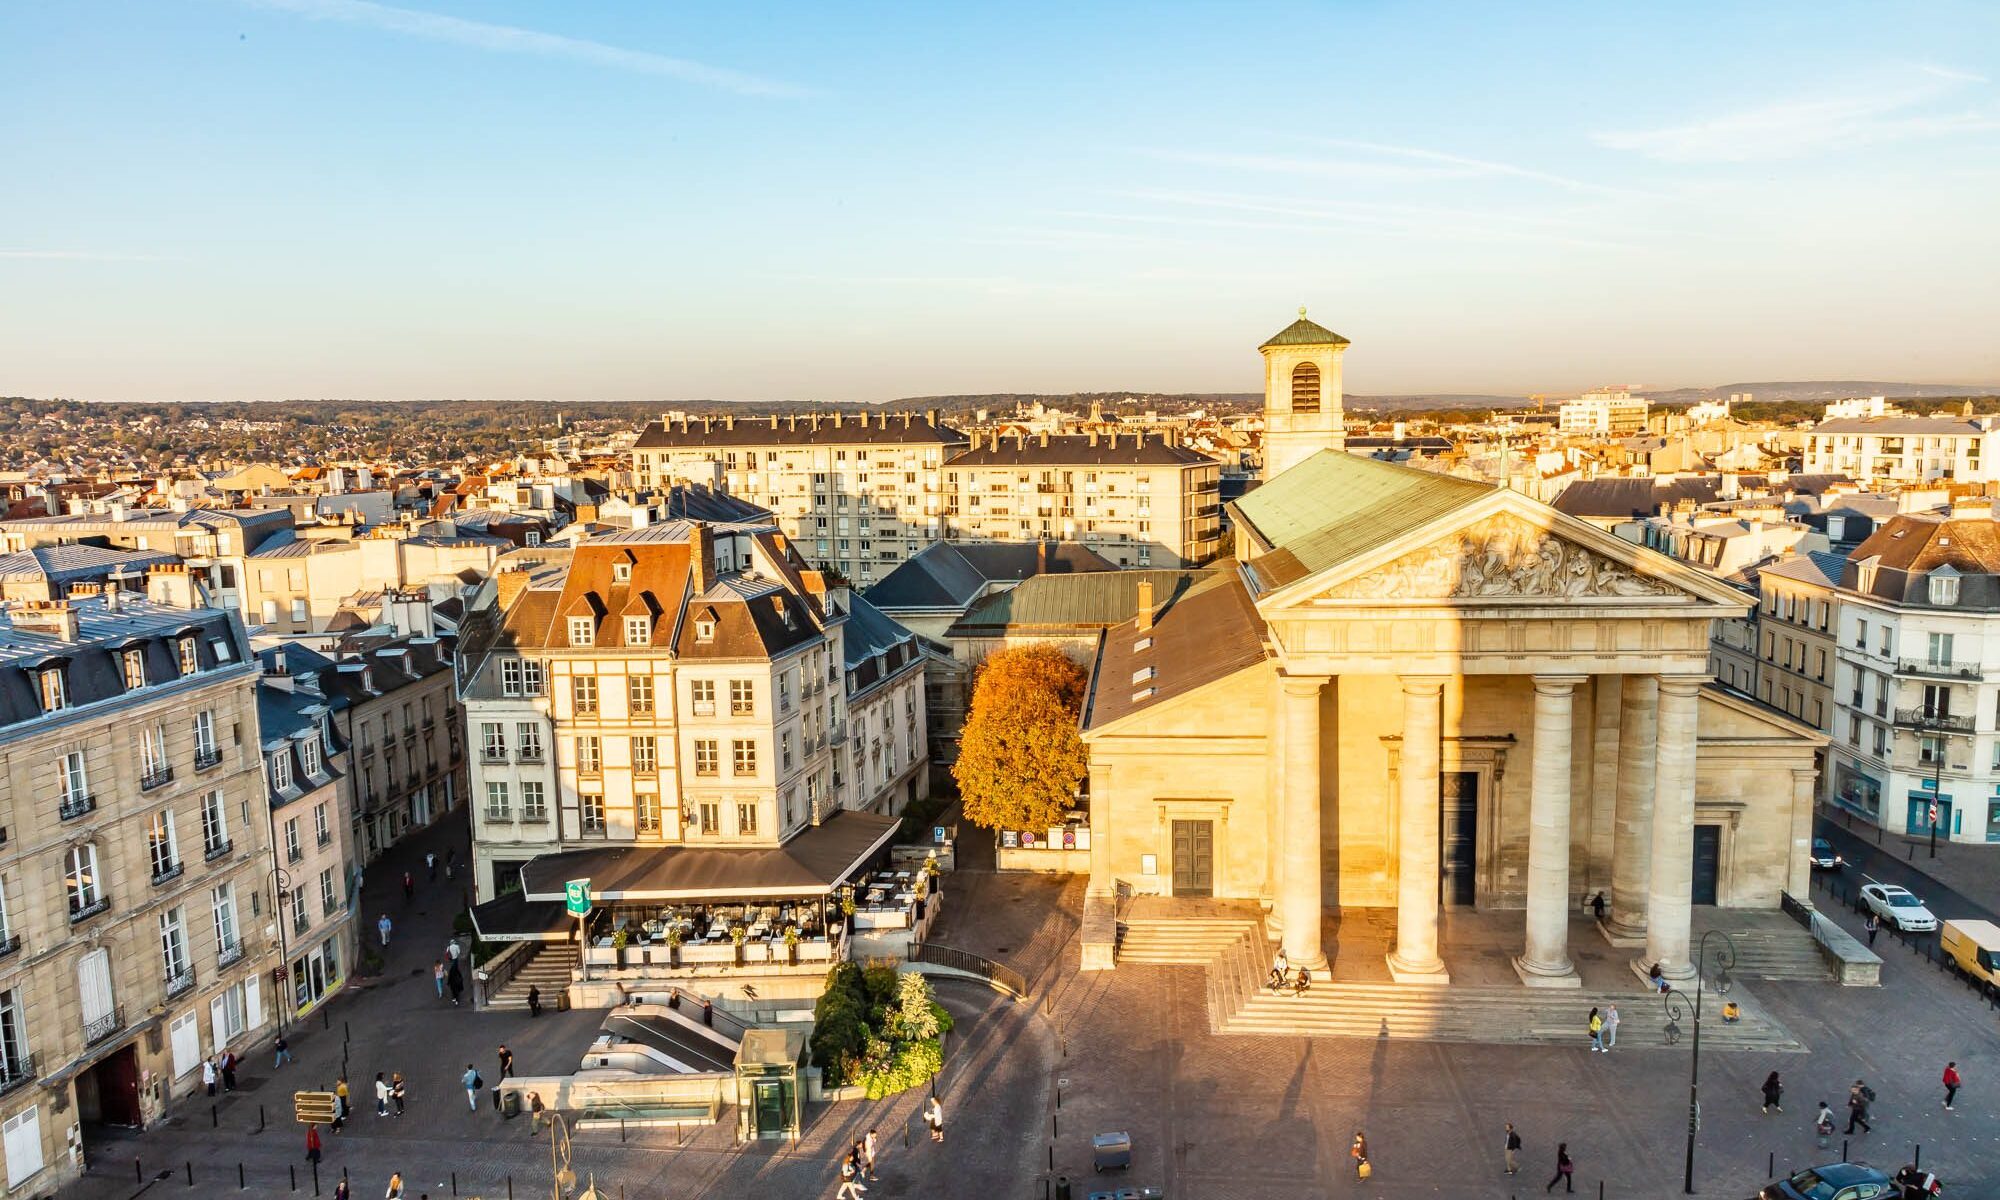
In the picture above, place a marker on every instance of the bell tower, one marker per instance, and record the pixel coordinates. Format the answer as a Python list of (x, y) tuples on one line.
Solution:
[(1302, 410)]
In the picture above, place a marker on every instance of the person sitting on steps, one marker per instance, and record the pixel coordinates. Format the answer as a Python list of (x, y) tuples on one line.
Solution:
[(1304, 981)]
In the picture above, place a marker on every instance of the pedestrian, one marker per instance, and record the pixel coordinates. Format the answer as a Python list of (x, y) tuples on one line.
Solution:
[(383, 927), (1359, 1153), (341, 1191), (1859, 1097), (1774, 1091), (535, 1110), (534, 1001), (229, 1070), (381, 1095), (1597, 905), (208, 1075), (340, 1109), (868, 1153), (1951, 1082), (397, 1091), (450, 857), (395, 1191), (455, 980), (1596, 1031), (506, 1061), (850, 1182), (452, 950), (1873, 925), (284, 1050), (472, 1083), (934, 1117), (1610, 1027), (437, 977), (431, 864), (1823, 1122), (409, 887), (1565, 1170), (312, 1143), (1513, 1150)]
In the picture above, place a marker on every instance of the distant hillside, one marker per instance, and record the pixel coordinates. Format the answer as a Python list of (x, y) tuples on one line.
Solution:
[(1829, 389)]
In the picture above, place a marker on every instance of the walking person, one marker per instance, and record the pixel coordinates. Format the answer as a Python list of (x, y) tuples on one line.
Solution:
[(340, 1109), (395, 1191), (1597, 906), (455, 980), (1596, 1031), (1610, 1027), (452, 951), (397, 1091), (535, 1111), (437, 977), (934, 1117), (409, 887), (850, 1181), (868, 1154), (382, 927), (1359, 1153), (1513, 1150), (381, 1095), (1859, 1097), (506, 1061), (1565, 1170), (229, 1061), (472, 1083), (431, 864), (1823, 1123), (312, 1143), (341, 1191), (534, 1002), (208, 1075), (284, 1049), (1774, 1091), (1873, 925), (1951, 1084)]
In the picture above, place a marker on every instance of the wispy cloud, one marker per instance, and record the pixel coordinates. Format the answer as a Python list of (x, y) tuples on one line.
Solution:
[(1379, 162), (508, 39), (1480, 166), (87, 256), (1292, 216), (1898, 106)]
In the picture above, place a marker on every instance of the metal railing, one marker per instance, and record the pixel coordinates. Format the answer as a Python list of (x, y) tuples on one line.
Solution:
[(15, 1070), (167, 871), (157, 777), (179, 982), (103, 1027), (74, 806), (493, 754), (204, 758), (83, 912), (529, 754), (1932, 720), (229, 954), (9, 944), (216, 850), (1937, 670), (1003, 977), (294, 854)]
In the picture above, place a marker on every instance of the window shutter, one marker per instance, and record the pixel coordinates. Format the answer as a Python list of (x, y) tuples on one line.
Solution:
[(93, 981), (253, 1002), (218, 1022)]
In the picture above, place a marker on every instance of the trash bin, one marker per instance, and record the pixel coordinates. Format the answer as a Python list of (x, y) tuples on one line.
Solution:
[(1110, 1151), (510, 1103), (496, 1098)]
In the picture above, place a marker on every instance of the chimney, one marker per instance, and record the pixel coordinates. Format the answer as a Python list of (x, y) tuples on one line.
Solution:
[(171, 585), (836, 420), (707, 424), (729, 422), (906, 420), (931, 416), (1041, 556), (114, 590), (701, 557), (509, 583), (1045, 440), (50, 618), (1093, 439), (882, 420), (791, 420), (1145, 605)]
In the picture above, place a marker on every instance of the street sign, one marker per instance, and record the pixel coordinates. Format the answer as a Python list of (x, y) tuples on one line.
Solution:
[(313, 1108), (937, 834), (1934, 814), (576, 897)]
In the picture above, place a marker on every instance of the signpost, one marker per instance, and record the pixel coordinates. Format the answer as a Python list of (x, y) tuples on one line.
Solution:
[(576, 902), (313, 1108)]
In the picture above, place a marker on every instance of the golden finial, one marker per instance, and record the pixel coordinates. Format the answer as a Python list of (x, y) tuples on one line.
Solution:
[(1302, 312)]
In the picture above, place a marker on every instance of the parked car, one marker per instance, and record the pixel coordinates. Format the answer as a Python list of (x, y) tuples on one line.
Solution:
[(1898, 907), (1835, 1181), (1974, 947), (1824, 858)]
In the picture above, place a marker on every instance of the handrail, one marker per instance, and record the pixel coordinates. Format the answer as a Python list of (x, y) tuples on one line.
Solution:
[(1003, 977)]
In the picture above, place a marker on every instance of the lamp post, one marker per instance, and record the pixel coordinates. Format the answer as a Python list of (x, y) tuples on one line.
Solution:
[(1678, 1005), (283, 885), (1937, 774)]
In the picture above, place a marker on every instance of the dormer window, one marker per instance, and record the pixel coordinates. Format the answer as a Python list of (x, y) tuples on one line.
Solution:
[(133, 662), (621, 572), (54, 689), (704, 629), (281, 771), (582, 631), (309, 750), (1944, 588), (638, 631), (189, 663)]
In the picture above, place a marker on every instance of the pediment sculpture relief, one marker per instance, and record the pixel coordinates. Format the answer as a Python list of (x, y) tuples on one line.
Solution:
[(1500, 557)]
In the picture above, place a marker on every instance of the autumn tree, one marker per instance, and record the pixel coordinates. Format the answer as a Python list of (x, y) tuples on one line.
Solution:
[(1021, 756)]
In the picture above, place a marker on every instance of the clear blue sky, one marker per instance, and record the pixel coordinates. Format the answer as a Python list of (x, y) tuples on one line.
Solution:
[(316, 198)]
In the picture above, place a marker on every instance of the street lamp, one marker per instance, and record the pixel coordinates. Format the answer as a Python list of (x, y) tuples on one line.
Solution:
[(1679, 1005), (283, 883)]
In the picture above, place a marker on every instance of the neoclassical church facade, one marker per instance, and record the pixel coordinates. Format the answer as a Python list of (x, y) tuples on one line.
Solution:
[(1417, 692)]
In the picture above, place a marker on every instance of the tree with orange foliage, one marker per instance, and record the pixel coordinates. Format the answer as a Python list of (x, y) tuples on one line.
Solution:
[(1021, 756)]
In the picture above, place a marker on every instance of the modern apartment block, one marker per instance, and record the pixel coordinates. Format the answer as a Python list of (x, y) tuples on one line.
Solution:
[(1905, 449), (1608, 413), (134, 867)]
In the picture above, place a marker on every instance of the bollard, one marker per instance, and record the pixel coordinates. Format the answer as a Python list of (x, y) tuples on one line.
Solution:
[(294, 1169), (1843, 1149), (239, 1177), (1919, 1160), (621, 1129), (454, 1183), (139, 1173), (1055, 1131), (325, 1019), (1771, 1165), (315, 1178), (1052, 1158), (510, 1187), (214, 1120), (1911, 856), (260, 1118), (190, 1168)]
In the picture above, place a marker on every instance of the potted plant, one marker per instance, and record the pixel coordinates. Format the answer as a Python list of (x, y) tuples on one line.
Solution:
[(618, 940), (931, 872), (792, 944), (847, 909), (736, 938), (674, 945)]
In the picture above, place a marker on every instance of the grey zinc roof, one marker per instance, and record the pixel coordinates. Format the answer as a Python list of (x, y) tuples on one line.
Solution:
[(1890, 426), (1820, 567), (60, 564), (1078, 602), (954, 574), (869, 632), (863, 429)]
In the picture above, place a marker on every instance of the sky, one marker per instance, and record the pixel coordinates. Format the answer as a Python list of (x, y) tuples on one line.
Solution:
[(302, 199)]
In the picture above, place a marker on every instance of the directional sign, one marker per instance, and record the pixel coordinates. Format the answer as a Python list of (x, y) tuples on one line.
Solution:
[(313, 1108), (576, 897)]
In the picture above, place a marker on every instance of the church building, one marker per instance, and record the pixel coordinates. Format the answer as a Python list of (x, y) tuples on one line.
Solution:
[(1419, 693)]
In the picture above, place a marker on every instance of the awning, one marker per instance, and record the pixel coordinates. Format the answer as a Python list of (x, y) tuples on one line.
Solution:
[(513, 918), (813, 863)]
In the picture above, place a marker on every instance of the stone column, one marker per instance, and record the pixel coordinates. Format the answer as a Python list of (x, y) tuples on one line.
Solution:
[(1103, 880), (1415, 959), (1274, 827), (1805, 792), (1632, 839), (1670, 889), (1300, 901), (1545, 963)]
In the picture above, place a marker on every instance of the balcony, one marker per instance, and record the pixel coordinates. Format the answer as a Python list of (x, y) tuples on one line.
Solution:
[(229, 954), (9, 944), (409, 733), (180, 982), (1937, 670), (1932, 721), (74, 806), (300, 922), (103, 1027), (16, 1070), (216, 850), (430, 723), (166, 872), (157, 777), (79, 913), (206, 757), (294, 854), (836, 733), (326, 837)]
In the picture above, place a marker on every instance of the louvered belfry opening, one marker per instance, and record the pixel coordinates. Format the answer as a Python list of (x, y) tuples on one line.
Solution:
[(1305, 388)]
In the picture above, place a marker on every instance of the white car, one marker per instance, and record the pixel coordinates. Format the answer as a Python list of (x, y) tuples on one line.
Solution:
[(1898, 907)]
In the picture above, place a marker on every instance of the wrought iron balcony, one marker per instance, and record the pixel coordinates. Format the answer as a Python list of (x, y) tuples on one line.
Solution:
[(294, 854), (165, 872), (83, 912), (300, 922), (157, 777), (216, 850), (180, 982), (229, 953), (1932, 721), (15, 1070), (206, 757), (326, 837), (1937, 670), (103, 1027), (73, 806), (9, 944)]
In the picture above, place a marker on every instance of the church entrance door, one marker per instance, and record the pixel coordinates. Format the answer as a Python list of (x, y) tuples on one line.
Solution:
[(1458, 835), (1194, 858)]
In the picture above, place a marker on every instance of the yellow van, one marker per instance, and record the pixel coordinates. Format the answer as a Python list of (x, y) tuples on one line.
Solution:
[(1974, 947)]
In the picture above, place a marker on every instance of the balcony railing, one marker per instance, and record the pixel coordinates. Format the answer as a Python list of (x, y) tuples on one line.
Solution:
[(83, 912), (294, 854), (1930, 720), (9, 944), (157, 777), (216, 850), (206, 757), (300, 922), (180, 982), (15, 1070), (164, 872), (231, 952), (73, 806), (103, 1027), (326, 837), (1937, 670)]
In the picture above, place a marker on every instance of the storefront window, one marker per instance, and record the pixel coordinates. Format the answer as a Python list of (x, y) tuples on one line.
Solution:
[(1857, 791)]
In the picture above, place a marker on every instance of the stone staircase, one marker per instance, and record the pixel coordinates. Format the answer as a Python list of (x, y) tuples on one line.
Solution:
[(1777, 951), (1187, 942), (548, 968)]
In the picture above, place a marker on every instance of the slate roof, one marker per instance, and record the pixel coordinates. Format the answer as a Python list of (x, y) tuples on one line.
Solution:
[(1820, 567), (1894, 426), (1635, 498), (1911, 548), (1334, 506), (62, 564), (91, 664), (1208, 633), (811, 863), (1076, 450), (1076, 603), (865, 429), (951, 575), (1305, 333), (697, 503)]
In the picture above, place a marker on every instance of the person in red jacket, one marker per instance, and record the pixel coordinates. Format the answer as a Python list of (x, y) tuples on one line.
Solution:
[(312, 1143), (1951, 1082)]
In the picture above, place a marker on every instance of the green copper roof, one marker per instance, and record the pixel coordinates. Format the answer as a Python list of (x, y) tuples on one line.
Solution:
[(1304, 333), (1336, 506)]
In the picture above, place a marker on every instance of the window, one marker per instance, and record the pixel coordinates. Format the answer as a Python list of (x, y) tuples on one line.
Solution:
[(205, 753), (531, 677), (583, 693), (81, 881), (100, 1006), (22, 1131), (592, 812), (76, 799), (639, 691), (743, 756), (328, 902), (589, 755), (214, 826), (222, 905), (529, 735), (55, 690), (703, 695), (1943, 584), (582, 631), (621, 572), (746, 818), (133, 664), (493, 741), (534, 807), (645, 755), (153, 766), (510, 677), (293, 851), (711, 817), (742, 701), (189, 665), (162, 848), (173, 945), (704, 629), (785, 751), (321, 832), (1940, 644), (705, 756), (638, 631), (309, 751), (496, 800), (785, 692), (649, 811), (281, 770)]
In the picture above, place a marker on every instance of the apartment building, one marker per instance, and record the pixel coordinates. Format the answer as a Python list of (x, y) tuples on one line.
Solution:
[(884, 762), (1608, 413), (1797, 623), (214, 543), (296, 586), (1139, 501), (133, 871), (857, 494), (394, 709), (1905, 450)]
